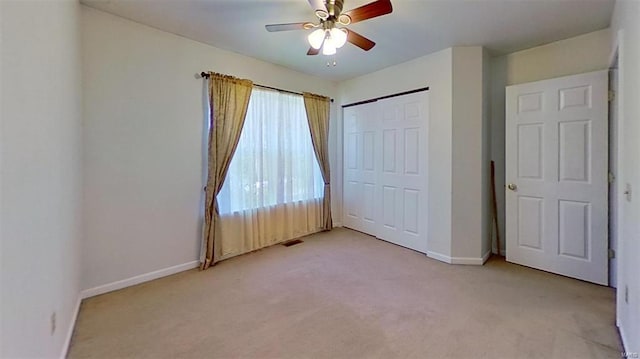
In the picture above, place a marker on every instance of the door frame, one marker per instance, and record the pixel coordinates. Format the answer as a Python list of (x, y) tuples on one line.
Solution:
[(617, 58), (614, 144)]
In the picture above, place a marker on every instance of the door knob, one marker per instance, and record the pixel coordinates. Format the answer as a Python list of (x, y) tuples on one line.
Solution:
[(512, 186)]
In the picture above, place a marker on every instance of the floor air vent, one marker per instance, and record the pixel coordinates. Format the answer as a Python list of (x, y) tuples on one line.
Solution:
[(292, 243)]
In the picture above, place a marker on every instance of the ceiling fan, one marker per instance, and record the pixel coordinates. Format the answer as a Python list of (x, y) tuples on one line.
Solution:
[(328, 36)]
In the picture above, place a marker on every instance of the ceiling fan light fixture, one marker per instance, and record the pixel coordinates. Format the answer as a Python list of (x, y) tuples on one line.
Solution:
[(344, 19), (339, 37), (329, 47), (316, 38), (322, 14), (330, 33)]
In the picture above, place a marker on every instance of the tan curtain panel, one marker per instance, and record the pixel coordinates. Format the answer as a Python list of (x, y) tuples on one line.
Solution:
[(228, 103), (251, 229), (317, 108)]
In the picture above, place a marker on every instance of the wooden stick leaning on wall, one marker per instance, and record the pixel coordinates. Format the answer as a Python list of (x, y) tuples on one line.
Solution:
[(495, 205)]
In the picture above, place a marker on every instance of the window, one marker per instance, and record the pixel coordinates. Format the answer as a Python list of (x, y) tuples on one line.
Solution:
[(274, 162)]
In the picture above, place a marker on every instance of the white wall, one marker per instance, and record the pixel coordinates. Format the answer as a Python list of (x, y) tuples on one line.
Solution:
[(458, 144), (469, 168), (584, 53), (40, 141), (626, 33), (435, 72), (144, 134), (486, 153), (498, 83)]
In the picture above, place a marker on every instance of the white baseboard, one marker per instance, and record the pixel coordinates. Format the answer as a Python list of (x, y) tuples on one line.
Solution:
[(438, 256), (468, 260), (486, 256), (459, 260), (109, 287), (72, 325), (119, 285), (623, 338)]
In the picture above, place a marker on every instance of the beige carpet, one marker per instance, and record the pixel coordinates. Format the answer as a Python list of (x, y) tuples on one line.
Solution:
[(343, 294)]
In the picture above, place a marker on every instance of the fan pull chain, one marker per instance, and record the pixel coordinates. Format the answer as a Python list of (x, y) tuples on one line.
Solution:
[(333, 62)]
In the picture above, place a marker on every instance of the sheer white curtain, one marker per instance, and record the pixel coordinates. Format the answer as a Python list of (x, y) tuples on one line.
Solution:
[(273, 190)]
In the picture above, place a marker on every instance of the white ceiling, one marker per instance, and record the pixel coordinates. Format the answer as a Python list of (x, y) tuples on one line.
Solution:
[(415, 28)]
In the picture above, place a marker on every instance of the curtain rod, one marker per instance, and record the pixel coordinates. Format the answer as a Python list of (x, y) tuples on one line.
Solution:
[(206, 76)]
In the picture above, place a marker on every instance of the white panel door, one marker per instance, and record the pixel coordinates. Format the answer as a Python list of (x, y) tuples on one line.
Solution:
[(403, 176), (556, 175), (385, 169), (361, 153)]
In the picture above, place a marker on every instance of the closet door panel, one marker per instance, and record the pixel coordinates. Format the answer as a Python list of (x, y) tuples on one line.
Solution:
[(407, 118), (361, 196), (386, 169)]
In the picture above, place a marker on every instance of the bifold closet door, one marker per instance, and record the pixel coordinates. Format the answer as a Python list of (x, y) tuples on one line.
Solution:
[(362, 164), (402, 179), (385, 174)]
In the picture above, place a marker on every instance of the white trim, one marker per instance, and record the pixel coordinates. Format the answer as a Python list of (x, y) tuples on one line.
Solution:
[(614, 121), (468, 260), (459, 260), (119, 285), (623, 339), (486, 256), (109, 287), (614, 54), (620, 176), (72, 326), (439, 257)]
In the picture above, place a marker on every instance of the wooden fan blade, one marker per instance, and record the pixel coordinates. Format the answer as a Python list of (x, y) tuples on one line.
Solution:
[(313, 51), (286, 27), (359, 40), (318, 5), (371, 10)]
